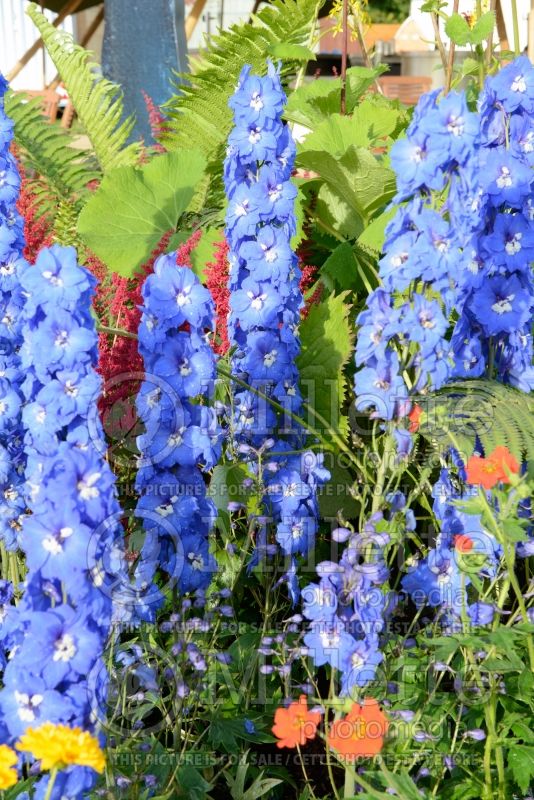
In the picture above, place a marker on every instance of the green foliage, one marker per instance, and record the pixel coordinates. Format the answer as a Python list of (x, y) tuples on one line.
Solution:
[(327, 338), (461, 33), (483, 411), (388, 10), (357, 180), (521, 762), (97, 101), (199, 111), (126, 217), (63, 172), (346, 152), (348, 267), (258, 788), (313, 102)]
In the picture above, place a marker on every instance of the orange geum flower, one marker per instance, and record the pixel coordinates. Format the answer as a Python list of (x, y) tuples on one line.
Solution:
[(487, 472), (463, 543), (415, 418), (361, 733), (295, 724)]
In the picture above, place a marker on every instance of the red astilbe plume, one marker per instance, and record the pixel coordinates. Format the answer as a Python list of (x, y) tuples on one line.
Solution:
[(37, 228), (217, 273), (156, 120), (117, 304), (216, 279), (183, 254)]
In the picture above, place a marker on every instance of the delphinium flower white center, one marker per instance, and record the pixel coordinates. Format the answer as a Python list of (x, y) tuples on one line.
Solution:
[(505, 178), (87, 488), (64, 648), (270, 358), (519, 84), (62, 339), (456, 125), (504, 305), (513, 245), (182, 299), (254, 136), (256, 102), (53, 279), (196, 560), (27, 705)]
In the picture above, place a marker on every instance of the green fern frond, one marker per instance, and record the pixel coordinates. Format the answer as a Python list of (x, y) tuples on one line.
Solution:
[(97, 101), (476, 413), (63, 172), (199, 113)]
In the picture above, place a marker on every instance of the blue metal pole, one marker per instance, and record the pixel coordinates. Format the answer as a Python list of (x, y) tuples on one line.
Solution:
[(144, 44)]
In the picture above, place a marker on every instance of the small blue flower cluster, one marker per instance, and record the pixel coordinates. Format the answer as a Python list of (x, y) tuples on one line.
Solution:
[(440, 580), (181, 437), (265, 306), (72, 539), (493, 334), (402, 343), (12, 503), (348, 607)]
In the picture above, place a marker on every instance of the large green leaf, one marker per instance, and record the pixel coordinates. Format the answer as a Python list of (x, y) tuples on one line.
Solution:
[(327, 338), (131, 210)]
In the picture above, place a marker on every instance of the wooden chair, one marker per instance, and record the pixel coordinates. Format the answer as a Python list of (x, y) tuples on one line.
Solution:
[(68, 115), (50, 101), (407, 89)]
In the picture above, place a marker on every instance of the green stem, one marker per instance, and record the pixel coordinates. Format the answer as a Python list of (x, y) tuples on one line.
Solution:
[(515, 18), (51, 782), (328, 445), (509, 558), (349, 789), (116, 331)]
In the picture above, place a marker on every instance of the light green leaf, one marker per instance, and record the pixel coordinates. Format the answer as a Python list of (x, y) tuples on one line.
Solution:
[(374, 233), (131, 210), (458, 30), (356, 177), (483, 28), (327, 338), (335, 213), (521, 762), (292, 52), (314, 102)]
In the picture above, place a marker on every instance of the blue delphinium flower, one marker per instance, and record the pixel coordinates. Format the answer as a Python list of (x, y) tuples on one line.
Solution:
[(265, 306), (403, 348), (496, 293), (348, 608), (72, 539), (181, 436), (12, 505)]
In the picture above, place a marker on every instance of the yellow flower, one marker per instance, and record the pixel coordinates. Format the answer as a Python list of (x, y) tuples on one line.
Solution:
[(58, 746), (8, 759)]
